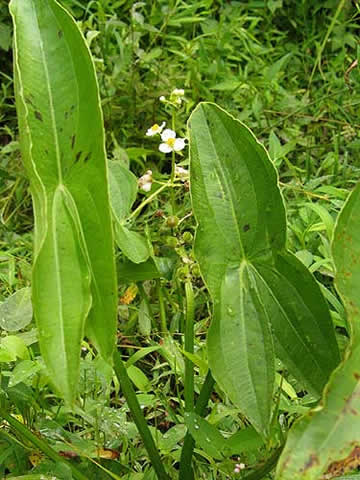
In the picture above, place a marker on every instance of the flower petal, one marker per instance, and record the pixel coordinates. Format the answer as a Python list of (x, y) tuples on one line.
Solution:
[(179, 144), (167, 133), (146, 187), (165, 148)]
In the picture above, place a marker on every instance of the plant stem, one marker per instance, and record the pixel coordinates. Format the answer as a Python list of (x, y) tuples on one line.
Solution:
[(40, 444), (139, 418), (162, 311), (322, 46), (149, 199), (186, 472), (172, 178), (189, 347)]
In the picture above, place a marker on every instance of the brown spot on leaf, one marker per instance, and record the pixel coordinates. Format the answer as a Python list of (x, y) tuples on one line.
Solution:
[(60, 33), (357, 375), (313, 460), (246, 228), (73, 138), (346, 465), (38, 115), (78, 155)]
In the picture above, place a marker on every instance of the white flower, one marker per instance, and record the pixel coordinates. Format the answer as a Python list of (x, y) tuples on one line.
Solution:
[(239, 467), (155, 129), (178, 92), (182, 173), (145, 182), (171, 143), (162, 98)]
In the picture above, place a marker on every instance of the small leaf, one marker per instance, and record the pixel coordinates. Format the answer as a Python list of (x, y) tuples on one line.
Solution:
[(23, 371), (144, 319), (139, 379), (244, 441), (123, 189), (14, 347), (171, 438), (205, 435), (133, 245), (16, 311)]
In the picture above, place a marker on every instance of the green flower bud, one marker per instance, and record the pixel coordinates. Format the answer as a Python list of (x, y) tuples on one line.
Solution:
[(187, 237), (172, 221)]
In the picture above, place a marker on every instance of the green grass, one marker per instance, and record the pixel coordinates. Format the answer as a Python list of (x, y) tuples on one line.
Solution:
[(279, 66)]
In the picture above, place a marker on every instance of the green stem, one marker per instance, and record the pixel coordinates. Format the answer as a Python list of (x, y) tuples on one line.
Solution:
[(149, 199), (40, 444), (186, 472), (323, 45), (172, 178), (139, 418), (189, 347), (162, 311)]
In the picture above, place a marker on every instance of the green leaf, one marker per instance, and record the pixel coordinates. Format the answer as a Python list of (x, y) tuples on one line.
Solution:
[(138, 378), (133, 245), (123, 190), (16, 310), (330, 432), (244, 441), (171, 438), (245, 344), (262, 295), (5, 37), (301, 325), (13, 347), (62, 143), (205, 435), (346, 254), (144, 319), (141, 354), (23, 371)]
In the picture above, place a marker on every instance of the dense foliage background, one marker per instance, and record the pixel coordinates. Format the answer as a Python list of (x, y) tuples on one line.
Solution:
[(286, 68)]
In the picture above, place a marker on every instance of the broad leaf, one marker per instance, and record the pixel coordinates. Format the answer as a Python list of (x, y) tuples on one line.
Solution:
[(62, 141), (262, 295), (327, 439)]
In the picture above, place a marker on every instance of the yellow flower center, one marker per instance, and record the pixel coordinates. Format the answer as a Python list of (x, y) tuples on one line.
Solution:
[(170, 142), (155, 127)]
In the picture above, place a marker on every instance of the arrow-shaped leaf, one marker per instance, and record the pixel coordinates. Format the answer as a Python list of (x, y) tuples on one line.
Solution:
[(62, 141), (262, 295)]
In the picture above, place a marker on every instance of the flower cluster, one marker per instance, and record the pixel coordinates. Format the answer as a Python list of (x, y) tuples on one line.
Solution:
[(176, 97), (145, 182), (239, 467)]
